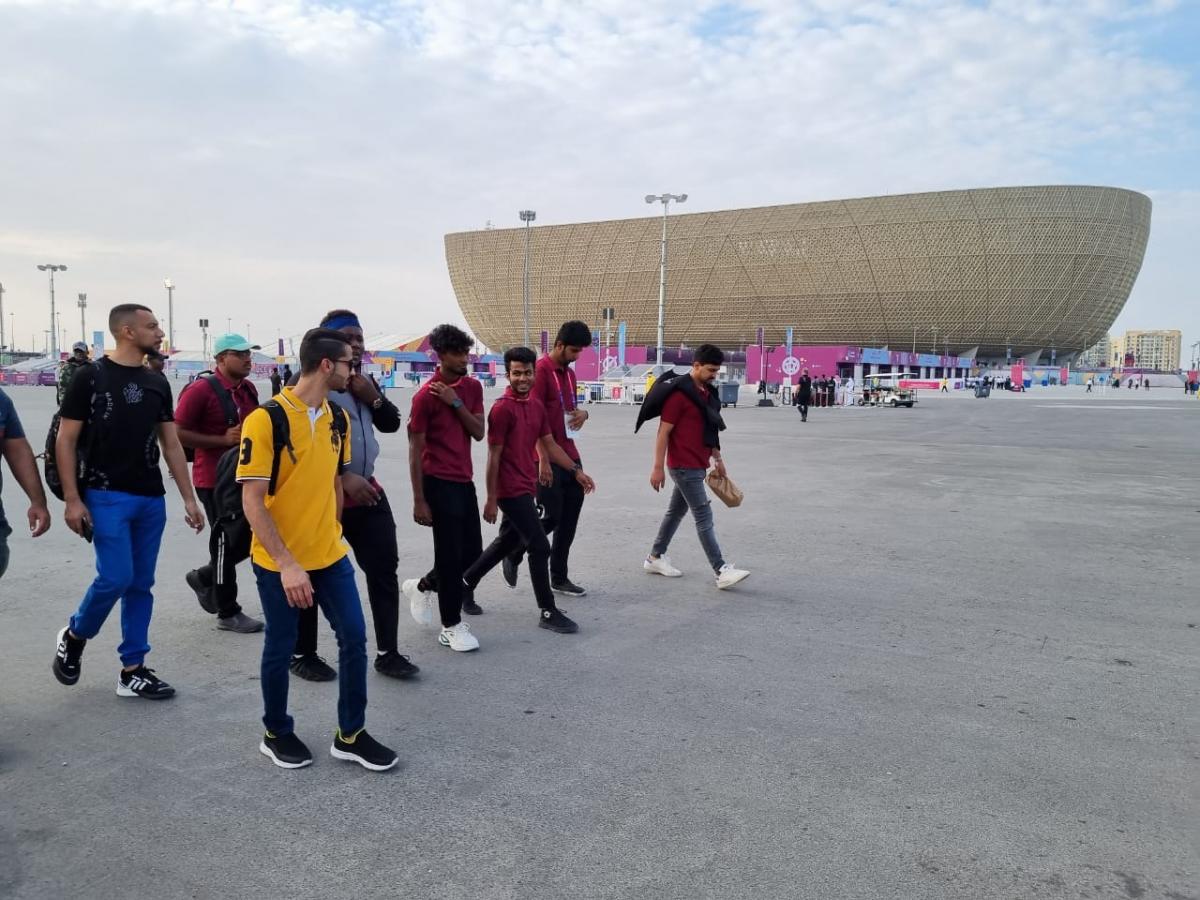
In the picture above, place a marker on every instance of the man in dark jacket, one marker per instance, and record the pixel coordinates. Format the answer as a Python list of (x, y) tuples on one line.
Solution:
[(367, 521), (803, 395)]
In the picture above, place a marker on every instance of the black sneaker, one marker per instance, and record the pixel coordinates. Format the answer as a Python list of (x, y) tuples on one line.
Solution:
[(364, 750), (567, 588), (204, 594), (311, 667), (286, 750), (142, 682), (67, 665), (554, 620), (510, 567), (395, 665)]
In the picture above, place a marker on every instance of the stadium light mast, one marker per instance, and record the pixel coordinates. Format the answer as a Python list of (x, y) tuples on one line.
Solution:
[(52, 345), (82, 304), (3, 343), (170, 286), (665, 200), (527, 216)]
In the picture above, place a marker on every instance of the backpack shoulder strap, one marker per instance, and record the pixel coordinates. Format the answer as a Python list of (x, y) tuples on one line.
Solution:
[(281, 439), (223, 397), (341, 426)]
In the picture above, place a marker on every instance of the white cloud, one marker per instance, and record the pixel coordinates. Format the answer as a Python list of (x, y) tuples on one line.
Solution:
[(285, 155)]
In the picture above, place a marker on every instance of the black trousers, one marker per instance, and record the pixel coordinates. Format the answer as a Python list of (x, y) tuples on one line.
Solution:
[(228, 545), (457, 542), (560, 502), (802, 406), (371, 533), (520, 527)]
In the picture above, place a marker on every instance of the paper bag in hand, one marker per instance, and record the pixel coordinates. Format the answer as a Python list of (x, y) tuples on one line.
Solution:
[(724, 489)]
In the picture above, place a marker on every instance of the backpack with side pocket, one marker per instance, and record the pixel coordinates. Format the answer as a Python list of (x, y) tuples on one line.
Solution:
[(83, 446), (228, 407), (227, 492)]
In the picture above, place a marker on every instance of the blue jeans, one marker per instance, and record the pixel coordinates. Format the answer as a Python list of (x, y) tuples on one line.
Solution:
[(336, 593), (690, 493), (128, 530)]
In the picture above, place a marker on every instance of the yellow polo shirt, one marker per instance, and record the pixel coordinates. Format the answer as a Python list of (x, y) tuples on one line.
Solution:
[(304, 505)]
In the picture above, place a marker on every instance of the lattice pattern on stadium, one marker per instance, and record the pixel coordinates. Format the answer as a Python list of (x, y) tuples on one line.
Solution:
[(1023, 267)]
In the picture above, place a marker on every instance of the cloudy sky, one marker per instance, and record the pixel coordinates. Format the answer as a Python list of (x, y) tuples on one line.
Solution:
[(280, 157)]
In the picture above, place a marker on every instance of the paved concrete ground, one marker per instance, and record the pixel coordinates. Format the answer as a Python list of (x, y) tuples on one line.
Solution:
[(964, 666)]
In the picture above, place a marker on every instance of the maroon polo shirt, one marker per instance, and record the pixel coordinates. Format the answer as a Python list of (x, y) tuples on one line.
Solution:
[(199, 410), (554, 388), (447, 444), (516, 423), (685, 443)]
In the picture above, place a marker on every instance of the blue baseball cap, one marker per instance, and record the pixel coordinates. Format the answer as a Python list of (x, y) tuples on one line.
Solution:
[(233, 342)]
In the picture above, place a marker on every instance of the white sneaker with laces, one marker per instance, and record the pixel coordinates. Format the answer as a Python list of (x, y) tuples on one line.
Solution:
[(660, 566), (729, 576), (420, 603), (458, 637)]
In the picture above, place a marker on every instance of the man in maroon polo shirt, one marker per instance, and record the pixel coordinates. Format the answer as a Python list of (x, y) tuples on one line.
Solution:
[(446, 415), (559, 494), (688, 440), (517, 427), (209, 416)]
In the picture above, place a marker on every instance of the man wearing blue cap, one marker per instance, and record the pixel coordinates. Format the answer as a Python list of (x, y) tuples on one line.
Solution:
[(209, 416)]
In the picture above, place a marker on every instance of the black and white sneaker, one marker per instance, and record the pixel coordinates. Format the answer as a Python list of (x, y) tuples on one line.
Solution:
[(510, 567), (364, 750), (554, 620), (311, 667), (567, 588), (142, 682), (67, 664), (286, 750)]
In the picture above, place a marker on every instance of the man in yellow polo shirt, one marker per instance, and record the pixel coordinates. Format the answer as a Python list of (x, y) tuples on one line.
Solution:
[(292, 497)]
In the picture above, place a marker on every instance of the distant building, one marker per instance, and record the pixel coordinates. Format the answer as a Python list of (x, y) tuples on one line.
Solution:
[(1159, 350), (1097, 356)]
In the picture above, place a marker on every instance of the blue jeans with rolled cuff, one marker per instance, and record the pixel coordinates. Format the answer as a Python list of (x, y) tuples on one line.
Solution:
[(690, 493)]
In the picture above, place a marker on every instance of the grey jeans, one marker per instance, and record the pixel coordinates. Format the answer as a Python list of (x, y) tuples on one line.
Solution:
[(690, 493)]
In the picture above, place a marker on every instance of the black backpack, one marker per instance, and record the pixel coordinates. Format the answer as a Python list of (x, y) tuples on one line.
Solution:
[(223, 397), (227, 492), (82, 447)]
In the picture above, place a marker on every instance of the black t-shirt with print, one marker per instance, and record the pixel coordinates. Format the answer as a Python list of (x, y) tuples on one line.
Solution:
[(122, 428)]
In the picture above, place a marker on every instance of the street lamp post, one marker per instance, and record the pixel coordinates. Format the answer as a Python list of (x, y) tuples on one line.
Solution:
[(83, 317), (52, 349), (665, 200), (170, 286), (527, 216), (3, 342)]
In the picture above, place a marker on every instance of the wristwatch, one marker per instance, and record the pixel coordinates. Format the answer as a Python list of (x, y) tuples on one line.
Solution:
[(377, 402), (456, 404)]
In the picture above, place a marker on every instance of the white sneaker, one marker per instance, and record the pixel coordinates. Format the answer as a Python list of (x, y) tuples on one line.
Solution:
[(660, 566), (729, 576), (458, 638), (420, 603)]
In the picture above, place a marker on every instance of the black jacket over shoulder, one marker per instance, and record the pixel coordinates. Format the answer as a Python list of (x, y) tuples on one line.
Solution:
[(667, 384)]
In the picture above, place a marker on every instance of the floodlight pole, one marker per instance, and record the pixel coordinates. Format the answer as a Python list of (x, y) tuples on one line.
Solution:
[(170, 286), (527, 216), (3, 342), (83, 317), (52, 346), (665, 200)]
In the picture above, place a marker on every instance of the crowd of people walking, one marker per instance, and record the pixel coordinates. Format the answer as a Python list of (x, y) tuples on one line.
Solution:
[(290, 484)]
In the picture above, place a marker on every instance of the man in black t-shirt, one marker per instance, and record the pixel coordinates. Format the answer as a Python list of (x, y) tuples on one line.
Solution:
[(117, 502)]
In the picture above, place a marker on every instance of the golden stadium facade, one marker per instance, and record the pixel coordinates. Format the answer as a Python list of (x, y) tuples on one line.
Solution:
[(1026, 268)]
